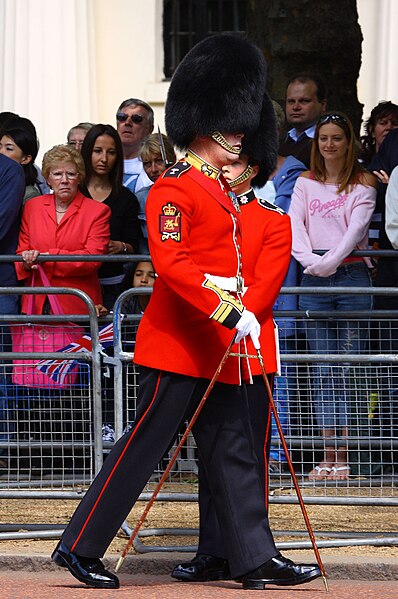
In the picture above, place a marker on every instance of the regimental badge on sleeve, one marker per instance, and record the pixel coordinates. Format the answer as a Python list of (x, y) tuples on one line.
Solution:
[(170, 223)]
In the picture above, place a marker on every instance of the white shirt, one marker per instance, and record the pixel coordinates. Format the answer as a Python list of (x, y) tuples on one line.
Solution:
[(310, 132), (134, 176), (392, 209)]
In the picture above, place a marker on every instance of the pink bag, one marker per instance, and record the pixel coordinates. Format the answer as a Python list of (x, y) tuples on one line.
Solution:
[(44, 337)]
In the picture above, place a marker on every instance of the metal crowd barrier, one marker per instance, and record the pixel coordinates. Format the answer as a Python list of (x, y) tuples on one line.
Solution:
[(50, 436), (55, 438)]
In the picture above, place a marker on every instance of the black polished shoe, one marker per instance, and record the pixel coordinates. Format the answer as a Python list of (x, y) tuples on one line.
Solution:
[(202, 568), (280, 571), (89, 570)]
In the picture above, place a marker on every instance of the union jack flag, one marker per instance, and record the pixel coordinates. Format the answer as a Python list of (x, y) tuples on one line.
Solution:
[(57, 370)]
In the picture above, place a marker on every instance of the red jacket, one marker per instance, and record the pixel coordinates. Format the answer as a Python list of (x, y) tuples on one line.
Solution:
[(266, 249), (84, 229), (193, 229)]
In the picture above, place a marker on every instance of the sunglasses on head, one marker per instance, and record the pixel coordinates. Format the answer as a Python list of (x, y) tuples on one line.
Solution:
[(334, 118), (122, 117)]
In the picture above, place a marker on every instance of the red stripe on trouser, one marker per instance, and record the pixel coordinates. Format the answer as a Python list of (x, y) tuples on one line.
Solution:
[(116, 465), (266, 473)]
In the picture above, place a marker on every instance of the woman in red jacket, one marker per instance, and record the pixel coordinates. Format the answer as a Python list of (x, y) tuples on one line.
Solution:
[(65, 222)]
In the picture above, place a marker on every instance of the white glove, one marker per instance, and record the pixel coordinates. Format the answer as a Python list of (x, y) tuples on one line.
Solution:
[(248, 325)]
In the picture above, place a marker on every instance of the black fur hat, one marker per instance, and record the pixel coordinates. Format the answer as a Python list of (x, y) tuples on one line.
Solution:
[(261, 147), (218, 86)]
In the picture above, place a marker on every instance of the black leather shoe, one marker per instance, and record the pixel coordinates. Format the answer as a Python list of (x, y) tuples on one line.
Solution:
[(202, 568), (280, 571), (89, 570)]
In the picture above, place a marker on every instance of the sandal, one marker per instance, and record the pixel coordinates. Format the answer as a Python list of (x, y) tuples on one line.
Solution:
[(339, 471), (319, 473), (274, 467)]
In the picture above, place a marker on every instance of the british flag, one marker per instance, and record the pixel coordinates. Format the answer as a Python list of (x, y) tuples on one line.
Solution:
[(57, 370)]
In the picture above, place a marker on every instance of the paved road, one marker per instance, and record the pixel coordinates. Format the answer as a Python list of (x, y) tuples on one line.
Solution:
[(60, 585)]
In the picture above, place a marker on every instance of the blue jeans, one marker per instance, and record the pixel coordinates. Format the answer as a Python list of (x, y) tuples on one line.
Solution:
[(332, 385), (284, 393), (8, 305)]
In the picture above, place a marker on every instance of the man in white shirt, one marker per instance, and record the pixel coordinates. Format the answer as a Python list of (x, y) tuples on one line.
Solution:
[(134, 119)]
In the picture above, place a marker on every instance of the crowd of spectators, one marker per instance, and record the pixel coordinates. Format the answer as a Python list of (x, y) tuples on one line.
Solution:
[(90, 198)]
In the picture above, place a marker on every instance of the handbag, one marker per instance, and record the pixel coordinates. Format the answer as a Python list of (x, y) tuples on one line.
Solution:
[(42, 337)]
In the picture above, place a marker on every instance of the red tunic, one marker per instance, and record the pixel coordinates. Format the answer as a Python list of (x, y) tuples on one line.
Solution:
[(266, 250), (193, 229)]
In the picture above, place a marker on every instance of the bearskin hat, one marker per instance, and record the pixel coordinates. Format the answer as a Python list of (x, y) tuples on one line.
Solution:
[(218, 86), (261, 146)]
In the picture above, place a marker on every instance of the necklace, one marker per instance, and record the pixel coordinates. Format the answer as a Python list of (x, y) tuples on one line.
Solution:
[(60, 211)]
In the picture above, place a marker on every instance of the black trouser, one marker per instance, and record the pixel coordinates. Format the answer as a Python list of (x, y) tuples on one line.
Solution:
[(210, 538), (223, 436)]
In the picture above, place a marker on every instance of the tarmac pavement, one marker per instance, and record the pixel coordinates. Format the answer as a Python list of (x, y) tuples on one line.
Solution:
[(147, 576), (60, 585)]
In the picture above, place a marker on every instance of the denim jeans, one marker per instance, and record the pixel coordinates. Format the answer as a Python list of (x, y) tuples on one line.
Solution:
[(284, 394), (331, 384), (8, 305)]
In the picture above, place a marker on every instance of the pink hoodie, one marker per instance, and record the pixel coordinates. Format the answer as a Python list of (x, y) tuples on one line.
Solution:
[(324, 220)]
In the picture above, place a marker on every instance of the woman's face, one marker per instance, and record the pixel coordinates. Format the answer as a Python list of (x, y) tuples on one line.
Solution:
[(154, 166), (64, 179), (332, 142), (144, 275), (9, 148), (103, 157), (382, 127)]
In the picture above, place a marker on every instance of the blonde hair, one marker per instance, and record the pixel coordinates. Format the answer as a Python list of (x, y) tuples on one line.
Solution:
[(62, 153), (151, 146)]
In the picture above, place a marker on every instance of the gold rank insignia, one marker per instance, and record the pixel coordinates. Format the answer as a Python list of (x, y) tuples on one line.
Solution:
[(170, 223), (227, 304)]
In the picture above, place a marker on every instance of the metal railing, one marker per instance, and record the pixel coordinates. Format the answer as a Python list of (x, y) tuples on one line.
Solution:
[(374, 371)]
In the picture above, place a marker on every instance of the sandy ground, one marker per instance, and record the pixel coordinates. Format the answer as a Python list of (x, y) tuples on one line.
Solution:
[(185, 515)]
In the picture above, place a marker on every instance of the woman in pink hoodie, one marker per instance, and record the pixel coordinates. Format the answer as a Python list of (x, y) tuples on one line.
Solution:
[(330, 210)]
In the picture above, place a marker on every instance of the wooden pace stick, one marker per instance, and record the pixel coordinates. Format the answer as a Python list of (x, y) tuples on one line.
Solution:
[(291, 469), (174, 457)]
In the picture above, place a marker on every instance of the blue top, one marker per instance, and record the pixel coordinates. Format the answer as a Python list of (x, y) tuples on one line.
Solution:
[(12, 189), (284, 182)]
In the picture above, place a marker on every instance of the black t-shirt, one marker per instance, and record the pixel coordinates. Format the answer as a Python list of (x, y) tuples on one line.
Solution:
[(124, 225)]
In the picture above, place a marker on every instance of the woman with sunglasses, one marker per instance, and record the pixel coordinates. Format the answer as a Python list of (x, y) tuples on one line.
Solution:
[(331, 209), (103, 160)]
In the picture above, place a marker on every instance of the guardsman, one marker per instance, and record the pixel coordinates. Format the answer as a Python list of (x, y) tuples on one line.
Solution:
[(266, 250), (197, 306)]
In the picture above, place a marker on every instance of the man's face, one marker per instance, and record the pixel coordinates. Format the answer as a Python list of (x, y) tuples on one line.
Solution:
[(218, 156), (303, 108), (235, 169), (132, 125), (76, 138)]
